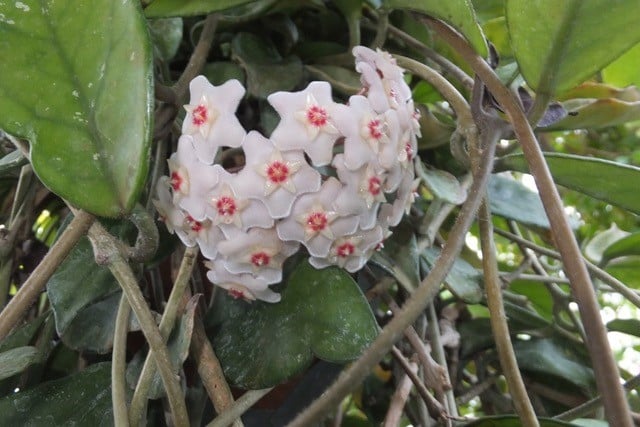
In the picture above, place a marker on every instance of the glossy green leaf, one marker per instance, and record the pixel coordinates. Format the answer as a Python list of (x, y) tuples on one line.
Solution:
[(83, 97), (458, 13), (267, 71), (169, 8), (463, 280), (220, 72), (612, 182), (538, 296), (399, 257), (12, 162), (322, 313), (626, 269), (442, 184), (343, 80), (598, 244), (166, 35), (511, 199), (552, 360), (626, 326), (82, 399), (17, 360), (625, 70), (559, 44), (596, 113), (628, 245), (514, 421), (80, 282)]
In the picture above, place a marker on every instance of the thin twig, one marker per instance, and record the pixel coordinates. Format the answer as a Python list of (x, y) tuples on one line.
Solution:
[(399, 398), (605, 368), (119, 364), (139, 400), (240, 406), (440, 358), (35, 284)]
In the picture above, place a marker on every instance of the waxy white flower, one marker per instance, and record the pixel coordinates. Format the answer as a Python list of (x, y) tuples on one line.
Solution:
[(172, 216), (274, 177), (351, 252), (245, 285), (306, 122), (211, 119)]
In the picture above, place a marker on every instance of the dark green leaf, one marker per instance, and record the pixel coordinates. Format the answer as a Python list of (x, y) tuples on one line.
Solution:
[(552, 360), (612, 182), (12, 161), (442, 185), (220, 72), (80, 282), (168, 8), (399, 257), (463, 280), (514, 421), (166, 35), (83, 399), (83, 97), (559, 44), (17, 360), (511, 199), (626, 326), (344, 80), (458, 13), (626, 269), (23, 335), (537, 294), (629, 245), (322, 313), (267, 71)]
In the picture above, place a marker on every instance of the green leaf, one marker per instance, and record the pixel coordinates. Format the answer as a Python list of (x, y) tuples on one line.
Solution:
[(442, 184), (166, 35), (595, 248), (342, 79), (219, 72), (612, 182), (511, 199), (17, 360), (83, 399), (626, 326), (629, 245), (514, 421), (399, 257), (626, 269), (83, 97), (12, 161), (322, 313), (463, 280), (624, 71), (267, 71), (551, 360), (559, 44), (458, 13), (80, 282), (168, 8)]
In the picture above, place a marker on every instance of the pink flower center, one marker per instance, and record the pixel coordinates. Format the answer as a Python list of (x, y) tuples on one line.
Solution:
[(317, 116), (346, 249), (277, 172), (375, 129), (176, 181), (195, 225), (409, 150), (317, 221), (260, 259), (200, 115), (226, 206), (374, 185), (235, 293)]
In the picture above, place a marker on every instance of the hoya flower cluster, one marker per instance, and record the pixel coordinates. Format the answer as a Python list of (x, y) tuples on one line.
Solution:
[(332, 177)]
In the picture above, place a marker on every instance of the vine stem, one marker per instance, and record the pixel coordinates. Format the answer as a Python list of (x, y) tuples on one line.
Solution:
[(604, 365), (240, 406), (139, 400), (498, 320), (108, 253), (356, 372), (119, 364), (35, 284)]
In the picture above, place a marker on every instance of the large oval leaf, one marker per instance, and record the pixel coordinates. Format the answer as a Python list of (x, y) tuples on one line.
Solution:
[(76, 82), (83, 399), (322, 313), (559, 44), (458, 13), (612, 182), (168, 8)]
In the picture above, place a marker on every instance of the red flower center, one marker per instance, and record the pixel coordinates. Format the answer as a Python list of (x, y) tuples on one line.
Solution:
[(374, 185), (346, 249), (195, 225), (260, 259), (200, 115), (375, 129), (317, 116), (317, 221), (235, 293), (277, 172), (176, 181), (226, 206), (409, 151)]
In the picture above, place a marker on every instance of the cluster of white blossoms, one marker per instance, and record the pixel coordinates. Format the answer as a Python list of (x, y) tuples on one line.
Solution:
[(331, 177)]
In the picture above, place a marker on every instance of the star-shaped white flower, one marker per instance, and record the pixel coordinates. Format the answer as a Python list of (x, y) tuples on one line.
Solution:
[(172, 216), (351, 252), (244, 285), (306, 122), (211, 119), (276, 178)]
